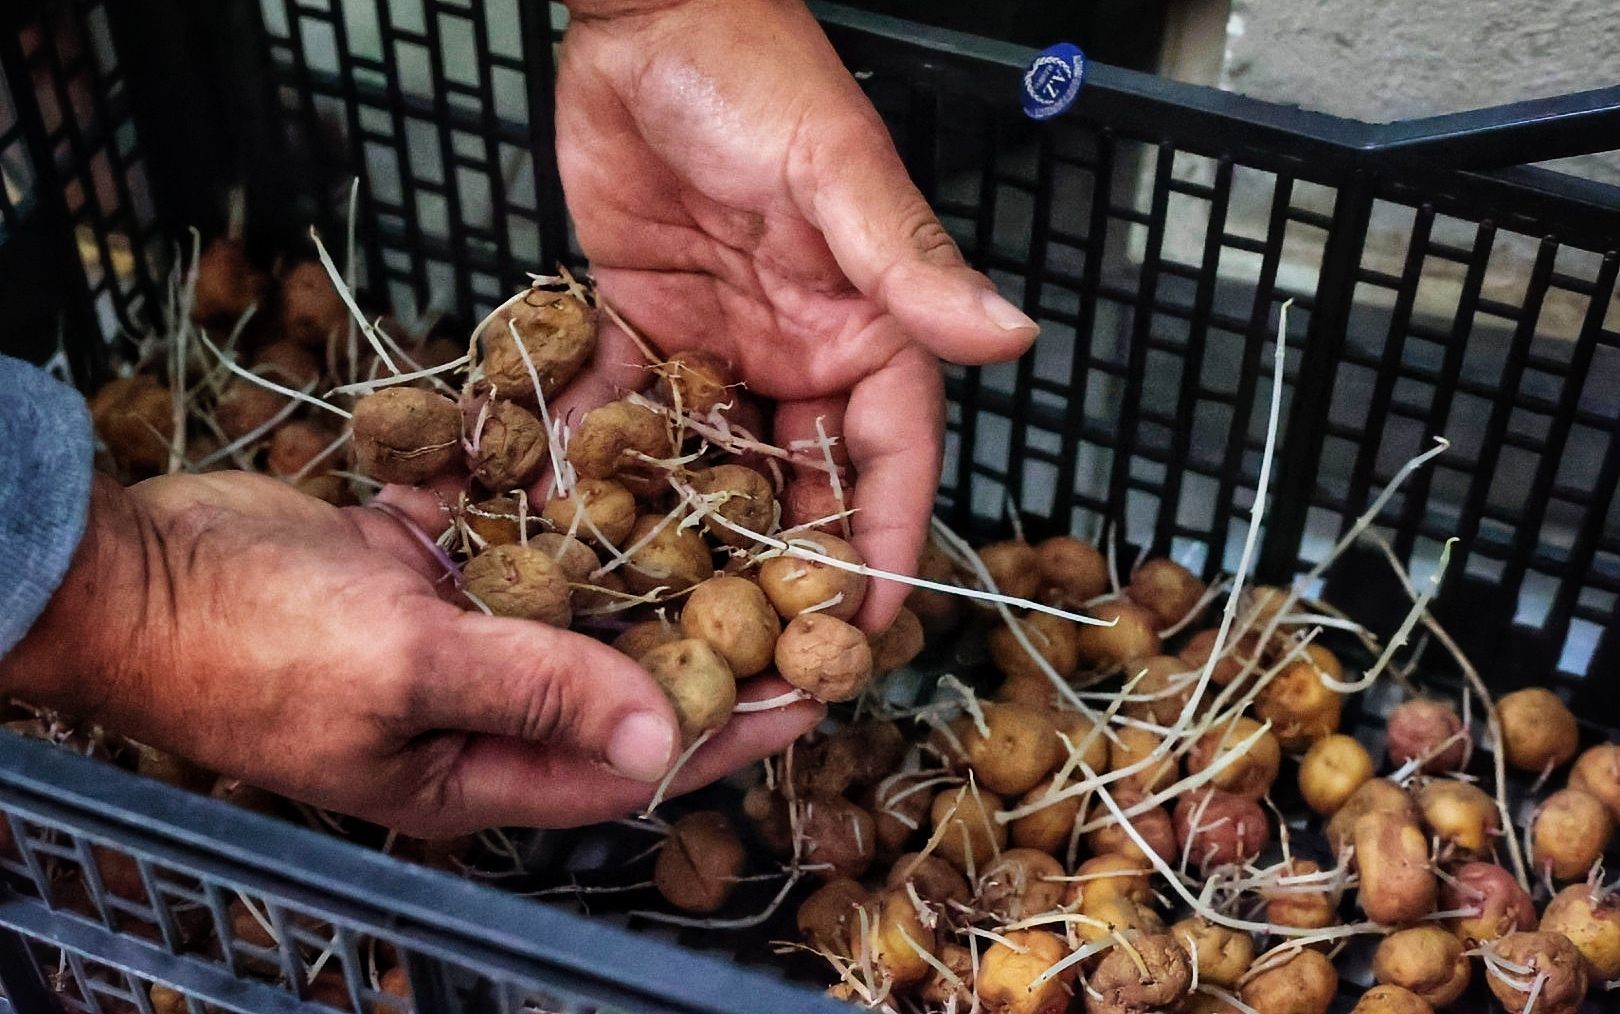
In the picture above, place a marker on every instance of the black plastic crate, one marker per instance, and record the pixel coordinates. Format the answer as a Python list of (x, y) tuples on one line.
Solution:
[(1154, 231)]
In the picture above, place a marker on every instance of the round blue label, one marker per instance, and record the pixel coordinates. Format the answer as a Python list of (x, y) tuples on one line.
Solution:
[(1053, 80)]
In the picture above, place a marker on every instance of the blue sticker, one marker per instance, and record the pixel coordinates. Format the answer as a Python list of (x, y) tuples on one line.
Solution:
[(1053, 80)]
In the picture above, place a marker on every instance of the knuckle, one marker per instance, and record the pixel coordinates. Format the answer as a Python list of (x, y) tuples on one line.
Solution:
[(545, 708)]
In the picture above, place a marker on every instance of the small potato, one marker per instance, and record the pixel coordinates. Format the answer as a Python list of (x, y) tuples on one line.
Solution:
[(638, 639), (938, 611), (696, 381), (167, 1001), (511, 448), (609, 439), (1154, 826), (1373, 795), (1392, 856), (810, 505), (1081, 734), (847, 759), (520, 581), (974, 831), (405, 435), (559, 332), (899, 644), (332, 489), (889, 933), (1304, 984), (939, 992), (1111, 875), (1217, 828), (1538, 729), (1168, 590), (1124, 915), (300, 446), (1021, 749), (1387, 999), (228, 283), (1072, 572), (665, 556), (1133, 745), (1167, 681), (1252, 773), (1120, 984), (825, 657), (1020, 883), (1006, 975), (1223, 954), (768, 812), (1302, 897), (1500, 905), (1053, 638), (1460, 813), (134, 417), (574, 557), (1332, 770), (245, 407), (1597, 771), (1134, 635), (497, 520), (1300, 708), (937, 881), (1049, 828), (698, 682), (1425, 728), (1590, 918), (1236, 656), (699, 863), (312, 312), (1569, 833), (609, 514), (889, 802), (749, 502), (838, 833), (1554, 962), (731, 613), (1014, 567), (1426, 960), (794, 585), (287, 363)]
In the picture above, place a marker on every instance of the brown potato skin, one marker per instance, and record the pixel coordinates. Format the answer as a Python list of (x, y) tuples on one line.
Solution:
[(1590, 919), (1046, 829), (558, 330), (1128, 877), (751, 506), (794, 585), (610, 507), (1305, 984), (127, 410), (893, 834), (1131, 745), (1551, 953), (405, 435), (1056, 640), (1135, 636), (1426, 960), (1005, 975), (520, 581), (1169, 678), (1122, 914), (975, 830), (937, 881), (1166, 588), (1224, 954), (1021, 749), (228, 283), (702, 379), (1299, 706), (1597, 771), (1538, 729), (898, 645), (1072, 571), (1301, 909), (1332, 770), (1375, 794), (1153, 825), (1387, 999), (512, 448), (825, 657), (1020, 883), (675, 558), (731, 613), (300, 445), (699, 864), (1569, 832), (938, 991), (1392, 856), (1419, 726), (698, 683), (896, 933), (605, 444), (839, 833), (1234, 659), (1121, 985), (1460, 813), (1503, 905), (1249, 777), (1014, 567), (312, 312), (643, 637)]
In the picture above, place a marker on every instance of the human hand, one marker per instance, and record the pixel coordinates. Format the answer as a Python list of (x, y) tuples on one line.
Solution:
[(312, 651), (735, 191)]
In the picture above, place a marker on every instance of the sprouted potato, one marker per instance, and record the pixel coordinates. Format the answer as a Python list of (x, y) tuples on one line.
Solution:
[(1167, 682), (1460, 813), (748, 502), (825, 657), (1538, 729), (521, 581), (639, 638), (609, 508), (1110, 875), (612, 439), (1154, 825), (892, 937), (899, 644), (1148, 972), (405, 435), (228, 283), (1007, 974), (839, 834), (1387, 999), (1216, 828), (1299, 898), (1021, 749), (1497, 902), (1013, 566), (665, 556), (1305, 983), (731, 613), (1049, 828), (1555, 965), (1299, 706), (1373, 795), (1168, 590), (312, 312), (1332, 770), (1235, 656), (134, 417), (699, 863), (696, 380), (1134, 634), (794, 585), (1223, 954), (935, 880), (897, 815), (941, 992), (1072, 572), (1392, 857), (1597, 771), (972, 835), (1568, 833), (1256, 768), (510, 450), (1132, 745), (1424, 728), (1055, 639), (1020, 883), (825, 917), (559, 332), (698, 682), (496, 520), (299, 447), (1589, 916), (1125, 916), (1426, 960)]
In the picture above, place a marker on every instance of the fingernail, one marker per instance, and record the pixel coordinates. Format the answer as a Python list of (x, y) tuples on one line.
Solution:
[(1005, 315), (641, 747)]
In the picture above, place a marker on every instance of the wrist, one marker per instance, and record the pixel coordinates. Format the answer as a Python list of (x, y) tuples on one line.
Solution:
[(87, 647)]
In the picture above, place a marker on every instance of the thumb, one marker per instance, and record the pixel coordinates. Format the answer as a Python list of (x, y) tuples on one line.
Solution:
[(888, 242), (532, 682)]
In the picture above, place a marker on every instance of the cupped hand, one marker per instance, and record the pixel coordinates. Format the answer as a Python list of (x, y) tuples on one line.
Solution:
[(735, 191), (315, 651)]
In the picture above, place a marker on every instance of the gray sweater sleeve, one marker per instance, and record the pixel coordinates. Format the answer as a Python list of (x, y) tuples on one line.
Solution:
[(46, 453)]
